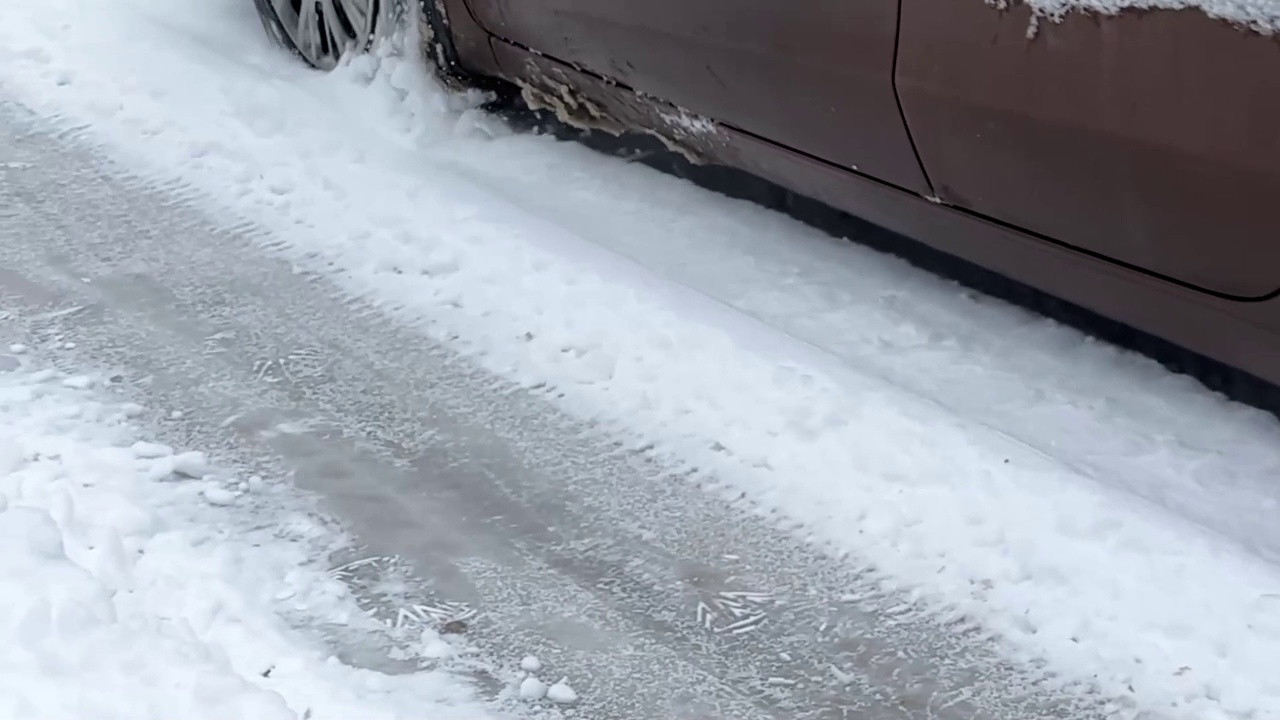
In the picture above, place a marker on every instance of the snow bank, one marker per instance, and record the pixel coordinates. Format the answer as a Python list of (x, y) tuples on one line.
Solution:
[(378, 179), (123, 597)]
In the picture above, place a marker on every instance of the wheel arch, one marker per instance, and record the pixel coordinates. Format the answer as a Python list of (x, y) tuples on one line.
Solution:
[(456, 43)]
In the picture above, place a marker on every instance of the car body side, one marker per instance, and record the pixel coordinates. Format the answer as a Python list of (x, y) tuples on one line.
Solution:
[(1126, 164)]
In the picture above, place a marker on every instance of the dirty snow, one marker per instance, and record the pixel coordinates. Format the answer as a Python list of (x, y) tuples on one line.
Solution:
[(688, 123), (124, 597), (1085, 507)]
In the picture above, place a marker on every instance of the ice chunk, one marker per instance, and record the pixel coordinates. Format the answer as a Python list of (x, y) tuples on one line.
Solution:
[(562, 693), (532, 689), (78, 382), (150, 450), (215, 495), (192, 464)]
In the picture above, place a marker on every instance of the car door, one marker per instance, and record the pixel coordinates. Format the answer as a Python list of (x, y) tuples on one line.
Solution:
[(1149, 138), (813, 75)]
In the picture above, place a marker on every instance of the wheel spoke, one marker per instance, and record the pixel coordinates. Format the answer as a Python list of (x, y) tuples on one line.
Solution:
[(360, 14), (323, 30), (308, 35), (341, 37)]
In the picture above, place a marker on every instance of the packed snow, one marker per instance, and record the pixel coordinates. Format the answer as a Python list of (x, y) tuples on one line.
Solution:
[(1098, 515), (124, 595)]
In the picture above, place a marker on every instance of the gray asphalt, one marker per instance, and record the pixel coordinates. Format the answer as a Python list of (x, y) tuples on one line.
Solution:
[(657, 598)]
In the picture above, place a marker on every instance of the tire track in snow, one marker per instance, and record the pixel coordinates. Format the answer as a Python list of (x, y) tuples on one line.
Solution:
[(570, 544)]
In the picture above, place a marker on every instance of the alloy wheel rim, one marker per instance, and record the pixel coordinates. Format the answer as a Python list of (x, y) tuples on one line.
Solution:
[(323, 31)]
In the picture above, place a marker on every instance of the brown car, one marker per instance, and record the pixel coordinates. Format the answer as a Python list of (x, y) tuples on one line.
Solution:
[(1126, 164)]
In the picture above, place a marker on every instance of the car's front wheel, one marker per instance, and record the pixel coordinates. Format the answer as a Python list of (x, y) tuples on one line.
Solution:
[(321, 32)]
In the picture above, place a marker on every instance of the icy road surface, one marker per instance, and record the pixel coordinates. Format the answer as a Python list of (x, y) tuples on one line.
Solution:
[(140, 584), (700, 461), (651, 597)]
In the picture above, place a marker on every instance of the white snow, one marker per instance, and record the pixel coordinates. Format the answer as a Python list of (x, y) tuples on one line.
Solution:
[(120, 598), (78, 382), (531, 688), (1096, 513), (218, 495), (1260, 15), (193, 464), (562, 693), (150, 450), (434, 646), (531, 664)]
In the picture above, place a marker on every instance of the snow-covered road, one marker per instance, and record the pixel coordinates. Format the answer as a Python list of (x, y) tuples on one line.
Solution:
[(701, 460), (546, 535), (134, 585)]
